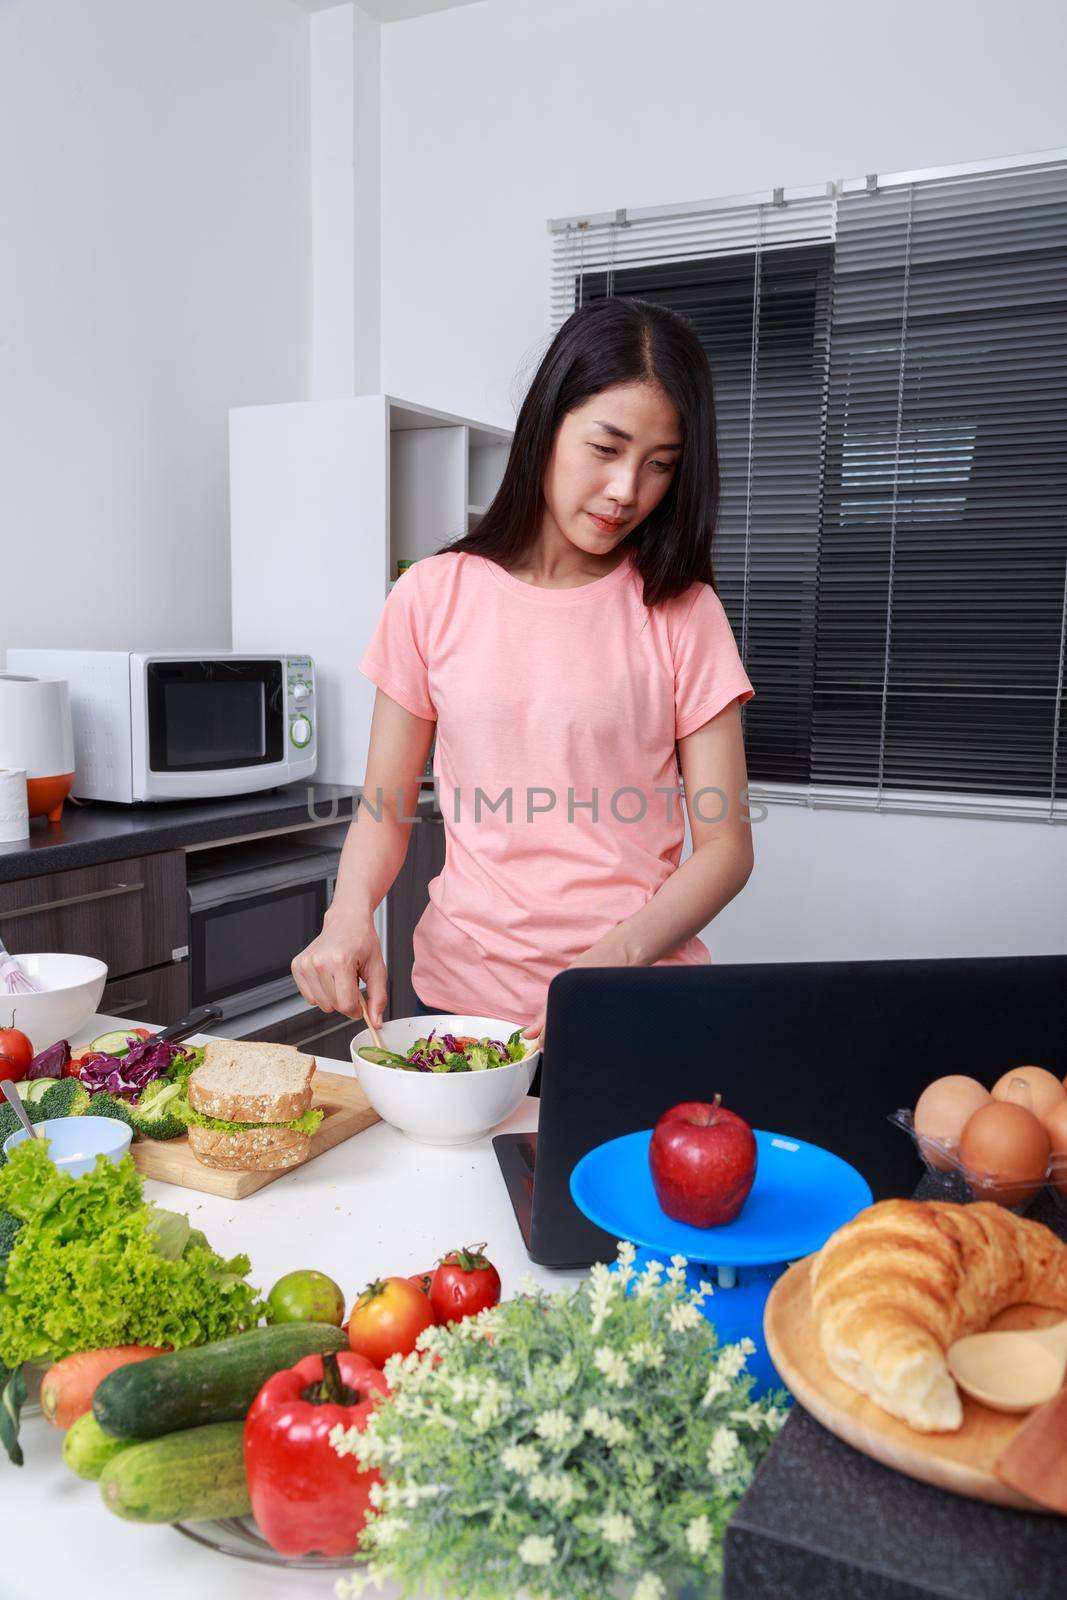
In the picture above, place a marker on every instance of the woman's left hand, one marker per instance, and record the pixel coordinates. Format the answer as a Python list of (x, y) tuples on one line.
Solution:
[(610, 951)]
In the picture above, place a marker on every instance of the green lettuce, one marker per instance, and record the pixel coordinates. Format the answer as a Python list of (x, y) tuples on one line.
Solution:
[(92, 1266), (307, 1123)]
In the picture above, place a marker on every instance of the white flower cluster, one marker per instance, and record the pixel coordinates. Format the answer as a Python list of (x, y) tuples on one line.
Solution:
[(613, 1365), (617, 1528), (721, 1451), (602, 1425), (537, 1551), (555, 1427), (522, 1459)]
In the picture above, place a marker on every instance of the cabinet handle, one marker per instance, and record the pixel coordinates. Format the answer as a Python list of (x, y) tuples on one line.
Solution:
[(128, 1005), (70, 900)]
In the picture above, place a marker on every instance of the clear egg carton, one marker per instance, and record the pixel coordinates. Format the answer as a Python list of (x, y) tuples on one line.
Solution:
[(941, 1159)]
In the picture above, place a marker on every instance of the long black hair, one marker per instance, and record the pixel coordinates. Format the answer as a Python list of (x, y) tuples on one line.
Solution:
[(608, 342)]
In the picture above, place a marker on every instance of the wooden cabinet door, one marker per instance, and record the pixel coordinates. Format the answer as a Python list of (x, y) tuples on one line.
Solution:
[(131, 914), (407, 900), (160, 996)]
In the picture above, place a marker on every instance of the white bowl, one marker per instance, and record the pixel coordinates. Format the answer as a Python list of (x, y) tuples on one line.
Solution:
[(443, 1107), (75, 1142), (70, 986)]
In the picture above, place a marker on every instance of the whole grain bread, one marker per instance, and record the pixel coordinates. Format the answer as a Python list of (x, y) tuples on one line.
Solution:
[(265, 1149), (247, 1080)]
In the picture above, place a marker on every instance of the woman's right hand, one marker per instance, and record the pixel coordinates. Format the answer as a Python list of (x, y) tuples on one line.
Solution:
[(329, 971)]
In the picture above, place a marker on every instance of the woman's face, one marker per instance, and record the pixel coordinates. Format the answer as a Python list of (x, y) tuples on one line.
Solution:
[(612, 458)]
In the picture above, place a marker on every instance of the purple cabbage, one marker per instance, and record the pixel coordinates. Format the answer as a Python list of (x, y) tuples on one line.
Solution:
[(50, 1063), (145, 1061)]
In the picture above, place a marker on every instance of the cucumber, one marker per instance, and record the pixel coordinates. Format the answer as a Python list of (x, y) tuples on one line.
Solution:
[(87, 1449), (382, 1058), (114, 1044), (194, 1476), (206, 1383)]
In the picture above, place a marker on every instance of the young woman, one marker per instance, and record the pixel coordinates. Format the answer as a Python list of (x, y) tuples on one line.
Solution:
[(573, 656)]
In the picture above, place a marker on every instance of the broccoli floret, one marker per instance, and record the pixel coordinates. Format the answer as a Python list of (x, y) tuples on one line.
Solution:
[(162, 1112), (109, 1105), (68, 1097), (9, 1122), (9, 1227)]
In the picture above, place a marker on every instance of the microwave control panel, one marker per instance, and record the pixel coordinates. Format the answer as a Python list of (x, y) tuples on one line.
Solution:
[(300, 700)]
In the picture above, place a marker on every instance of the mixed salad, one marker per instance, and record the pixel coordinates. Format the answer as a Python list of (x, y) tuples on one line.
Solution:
[(128, 1074), (450, 1053)]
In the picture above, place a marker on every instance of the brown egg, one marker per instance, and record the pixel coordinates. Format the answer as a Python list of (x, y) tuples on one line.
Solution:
[(941, 1114), (1033, 1087), (1004, 1152), (1056, 1128)]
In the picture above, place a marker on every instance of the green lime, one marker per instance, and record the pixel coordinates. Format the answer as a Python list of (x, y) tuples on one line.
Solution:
[(306, 1297)]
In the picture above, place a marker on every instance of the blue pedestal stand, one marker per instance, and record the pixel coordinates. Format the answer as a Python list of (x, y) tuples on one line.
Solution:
[(801, 1194)]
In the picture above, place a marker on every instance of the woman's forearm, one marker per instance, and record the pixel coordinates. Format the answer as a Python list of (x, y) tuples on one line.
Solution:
[(374, 851), (692, 897)]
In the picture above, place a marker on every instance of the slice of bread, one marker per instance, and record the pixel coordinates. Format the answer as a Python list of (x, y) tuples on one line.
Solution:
[(246, 1080), (258, 1150)]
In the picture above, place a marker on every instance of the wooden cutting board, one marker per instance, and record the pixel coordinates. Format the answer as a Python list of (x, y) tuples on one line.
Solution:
[(961, 1461), (348, 1111)]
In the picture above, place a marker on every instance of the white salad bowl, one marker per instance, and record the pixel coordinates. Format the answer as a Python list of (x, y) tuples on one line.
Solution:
[(443, 1107), (70, 989)]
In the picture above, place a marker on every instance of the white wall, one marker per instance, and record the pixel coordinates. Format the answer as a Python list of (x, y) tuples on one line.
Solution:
[(497, 116), (154, 272)]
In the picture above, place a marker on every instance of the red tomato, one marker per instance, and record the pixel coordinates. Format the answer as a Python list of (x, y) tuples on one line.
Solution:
[(465, 1283), (17, 1048), (78, 1060), (387, 1319), (422, 1280)]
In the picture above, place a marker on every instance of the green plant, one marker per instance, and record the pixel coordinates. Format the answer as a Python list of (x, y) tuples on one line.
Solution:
[(569, 1446)]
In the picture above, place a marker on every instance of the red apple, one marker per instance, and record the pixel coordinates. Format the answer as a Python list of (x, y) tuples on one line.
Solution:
[(703, 1161)]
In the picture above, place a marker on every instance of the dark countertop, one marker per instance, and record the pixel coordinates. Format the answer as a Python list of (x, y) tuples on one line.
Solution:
[(97, 831), (823, 1521)]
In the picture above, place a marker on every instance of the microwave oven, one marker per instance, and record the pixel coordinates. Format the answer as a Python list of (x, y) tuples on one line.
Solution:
[(183, 725)]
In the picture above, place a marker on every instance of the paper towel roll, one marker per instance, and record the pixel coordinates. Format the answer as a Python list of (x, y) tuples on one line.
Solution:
[(14, 811)]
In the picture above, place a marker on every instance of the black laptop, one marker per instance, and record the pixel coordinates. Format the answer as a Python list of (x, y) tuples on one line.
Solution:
[(822, 1050)]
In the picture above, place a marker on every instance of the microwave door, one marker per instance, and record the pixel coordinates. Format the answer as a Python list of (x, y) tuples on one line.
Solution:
[(214, 716)]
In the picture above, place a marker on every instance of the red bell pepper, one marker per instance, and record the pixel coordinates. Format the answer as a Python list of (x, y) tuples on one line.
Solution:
[(305, 1497)]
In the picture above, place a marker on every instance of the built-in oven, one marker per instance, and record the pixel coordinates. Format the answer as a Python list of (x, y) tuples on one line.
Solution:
[(252, 908)]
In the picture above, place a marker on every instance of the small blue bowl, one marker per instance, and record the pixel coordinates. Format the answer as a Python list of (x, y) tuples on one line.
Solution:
[(75, 1142)]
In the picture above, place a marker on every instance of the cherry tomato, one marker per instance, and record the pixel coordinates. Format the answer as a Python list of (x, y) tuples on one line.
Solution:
[(465, 1283), (422, 1280), (79, 1059), (387, 1319), (15, 1045)]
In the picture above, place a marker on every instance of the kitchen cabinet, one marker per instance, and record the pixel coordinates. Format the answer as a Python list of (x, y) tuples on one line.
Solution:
[(407, 900), (131, 914), (326, 496)]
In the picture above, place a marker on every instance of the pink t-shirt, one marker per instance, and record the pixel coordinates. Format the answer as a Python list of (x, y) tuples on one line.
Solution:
[(556, 699)]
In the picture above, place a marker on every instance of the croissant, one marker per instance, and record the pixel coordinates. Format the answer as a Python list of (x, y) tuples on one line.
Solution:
[(894, 1287)]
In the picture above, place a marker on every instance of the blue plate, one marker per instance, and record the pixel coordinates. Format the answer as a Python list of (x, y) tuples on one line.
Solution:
[(801, 1194)]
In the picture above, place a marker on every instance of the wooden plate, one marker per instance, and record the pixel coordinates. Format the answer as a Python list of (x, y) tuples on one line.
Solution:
[(347, 1112), (961, 1461)]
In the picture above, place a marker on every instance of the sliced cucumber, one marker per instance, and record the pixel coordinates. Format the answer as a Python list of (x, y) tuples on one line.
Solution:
[(33, 1090), (113, 1044), (382, 1058)]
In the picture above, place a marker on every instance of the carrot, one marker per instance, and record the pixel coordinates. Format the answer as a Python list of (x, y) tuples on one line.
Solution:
[(67, 1387)]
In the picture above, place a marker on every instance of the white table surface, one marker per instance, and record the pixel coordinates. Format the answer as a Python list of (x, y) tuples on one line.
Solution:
[(377, 1205)]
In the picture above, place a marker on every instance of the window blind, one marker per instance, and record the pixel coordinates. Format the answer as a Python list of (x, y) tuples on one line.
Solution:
[(942, 571), (891, 388)]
